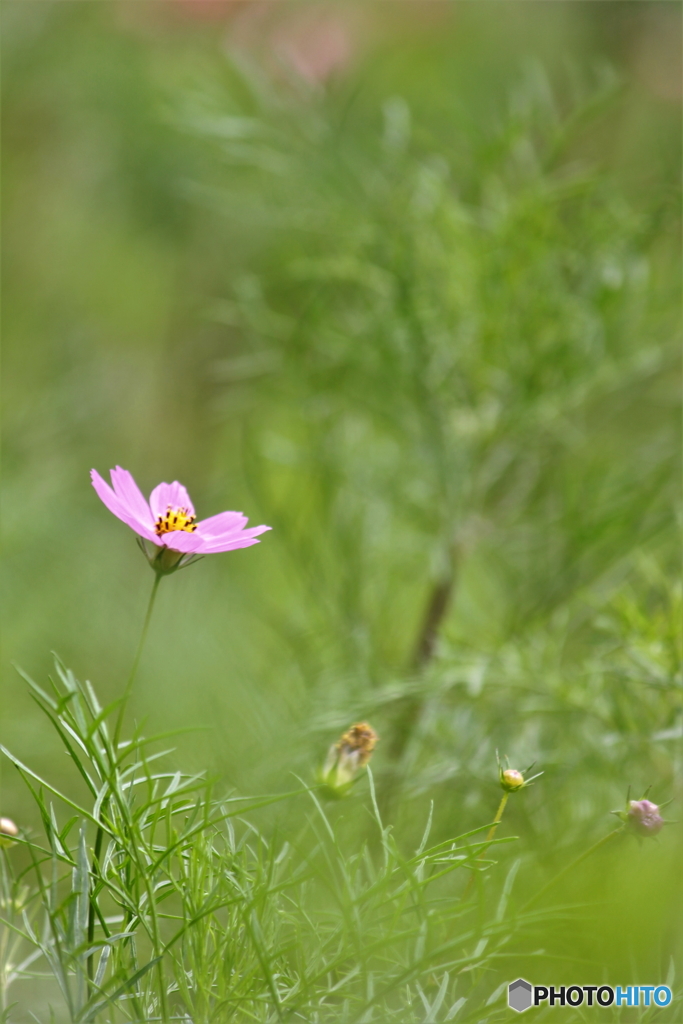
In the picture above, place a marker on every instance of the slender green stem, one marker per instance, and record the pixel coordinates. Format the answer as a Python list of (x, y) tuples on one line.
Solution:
[(489, 836), (95, 873), (99, 836), (5, 936), (136, 662), (496, 821), (572, 865)]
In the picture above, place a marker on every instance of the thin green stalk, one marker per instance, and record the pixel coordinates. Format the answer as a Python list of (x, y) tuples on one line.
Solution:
[(489, 836), (496, 821), (4, 937), (410, 709), (95, 872), (99, 836), (572, 865), (136, 661)]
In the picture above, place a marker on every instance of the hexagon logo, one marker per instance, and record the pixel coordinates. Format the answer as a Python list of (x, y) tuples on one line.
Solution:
[(519, 995)]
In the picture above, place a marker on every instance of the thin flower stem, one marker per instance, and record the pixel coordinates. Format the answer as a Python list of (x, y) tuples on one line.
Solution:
[(136, 661), (496, 821), (572, 865), (410, 707), (4, 938), (99, 836), (489, 836)]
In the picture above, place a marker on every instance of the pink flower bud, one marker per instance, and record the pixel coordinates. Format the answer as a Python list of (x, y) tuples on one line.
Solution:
[(643, 818)]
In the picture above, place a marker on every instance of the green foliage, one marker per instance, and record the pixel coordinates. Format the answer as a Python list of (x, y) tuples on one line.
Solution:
[(155, 901), (151, 899), (444, 366), (423, 321)]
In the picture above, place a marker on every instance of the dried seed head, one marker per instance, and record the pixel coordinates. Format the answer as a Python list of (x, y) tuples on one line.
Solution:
[(360, 738), (8, 831), (351, 753)]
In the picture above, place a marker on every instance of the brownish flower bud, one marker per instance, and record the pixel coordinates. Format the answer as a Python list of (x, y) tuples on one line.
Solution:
[(346, 757)]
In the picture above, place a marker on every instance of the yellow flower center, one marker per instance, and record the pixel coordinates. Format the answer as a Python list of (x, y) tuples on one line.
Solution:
[(175, 519)]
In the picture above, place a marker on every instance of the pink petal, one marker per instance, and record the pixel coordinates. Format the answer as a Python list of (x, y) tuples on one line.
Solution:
[(230, 541), (115, 505), (224, 522), (231, 544), (130, 495), (181, 540), (174, 495)]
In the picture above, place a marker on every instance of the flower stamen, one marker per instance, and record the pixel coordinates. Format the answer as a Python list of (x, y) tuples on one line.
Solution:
[(175, 519)]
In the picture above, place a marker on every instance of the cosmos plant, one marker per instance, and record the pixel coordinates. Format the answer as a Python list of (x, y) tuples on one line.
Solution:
[(168, 521)]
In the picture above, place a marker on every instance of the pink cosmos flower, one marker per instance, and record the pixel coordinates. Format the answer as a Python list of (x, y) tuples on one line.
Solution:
[(169, 521)]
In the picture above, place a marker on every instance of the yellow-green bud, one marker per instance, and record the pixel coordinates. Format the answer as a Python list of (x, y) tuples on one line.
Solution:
[(511, 779)]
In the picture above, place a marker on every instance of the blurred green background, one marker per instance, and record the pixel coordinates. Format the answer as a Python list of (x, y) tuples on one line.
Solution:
[(401, 280)]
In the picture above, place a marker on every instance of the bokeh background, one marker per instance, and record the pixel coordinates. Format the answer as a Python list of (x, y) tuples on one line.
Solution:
[(401, 280)]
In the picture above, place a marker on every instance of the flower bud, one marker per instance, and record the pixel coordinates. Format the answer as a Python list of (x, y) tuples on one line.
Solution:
[(351, 753), (511, 779), (643, 818), (8, 831)]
